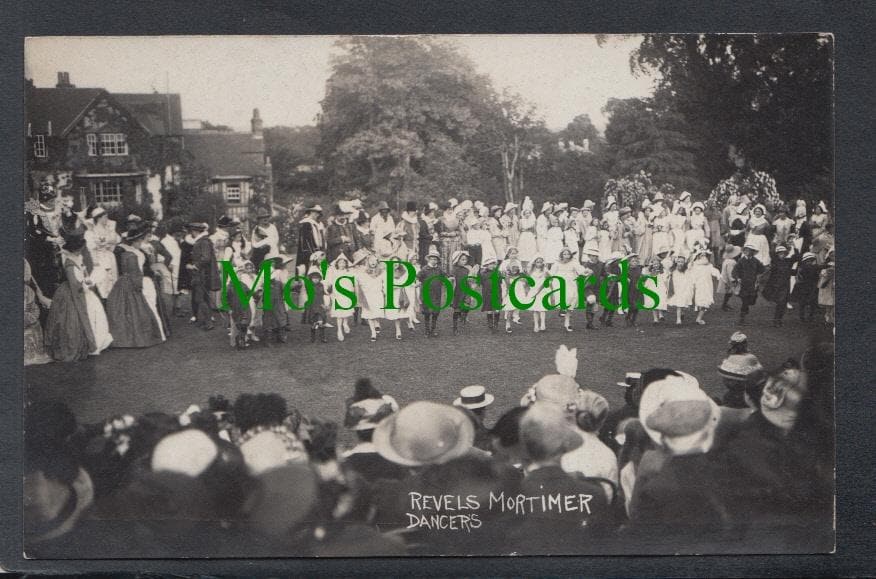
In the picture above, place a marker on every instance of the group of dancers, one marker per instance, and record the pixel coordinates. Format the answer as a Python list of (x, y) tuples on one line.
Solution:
[(121, 283)]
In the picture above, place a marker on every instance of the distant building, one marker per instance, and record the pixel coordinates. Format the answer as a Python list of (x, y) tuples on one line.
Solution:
[(109, 148), (237, 163)]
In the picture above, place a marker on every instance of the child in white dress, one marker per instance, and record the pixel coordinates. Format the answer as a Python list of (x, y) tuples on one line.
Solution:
[(702, 276)]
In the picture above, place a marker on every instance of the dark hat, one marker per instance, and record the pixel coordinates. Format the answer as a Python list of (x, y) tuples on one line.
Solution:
[(227, 222), (263, 212), (411, 206), (383, 206), (197, 226), (74, 242), (136, 232)]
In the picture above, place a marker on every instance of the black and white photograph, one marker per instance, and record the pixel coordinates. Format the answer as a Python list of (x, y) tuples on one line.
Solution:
[(428, 295)]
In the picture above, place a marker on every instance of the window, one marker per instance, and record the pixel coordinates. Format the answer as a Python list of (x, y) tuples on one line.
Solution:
[(113, 144), (39, 146), (91, 139), (107, 192), (232, 192)]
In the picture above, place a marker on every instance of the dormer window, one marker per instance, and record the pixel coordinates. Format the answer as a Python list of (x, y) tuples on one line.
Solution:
[(39, 146), (112, 145)]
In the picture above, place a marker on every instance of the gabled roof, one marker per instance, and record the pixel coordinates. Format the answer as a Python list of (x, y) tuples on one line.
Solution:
[(161, 114), (222, 153), (60, 106)]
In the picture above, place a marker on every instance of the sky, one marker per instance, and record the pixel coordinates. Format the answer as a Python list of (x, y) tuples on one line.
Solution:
[(222, 78)]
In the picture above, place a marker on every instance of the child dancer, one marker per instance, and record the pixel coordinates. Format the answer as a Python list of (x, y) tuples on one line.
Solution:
[(591, 266), (658, 284), (486, 277), (511, 271), (431, 269), (681, 292), (458, 272), (315, 313), (702, 276), (241, 315), (634, 295), (726, 287), (512, 254), (612, 267), (371, 289), (538, 271), (403, 300), (568, 269), (338, 268), (276, 319)]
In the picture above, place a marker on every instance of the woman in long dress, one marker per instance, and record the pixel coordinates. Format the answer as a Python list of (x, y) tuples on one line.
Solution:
[(77, 325), (645, 234), (101, 238), (449, 231), (758, 227), (132, 306), (34, 342), (527, 246)]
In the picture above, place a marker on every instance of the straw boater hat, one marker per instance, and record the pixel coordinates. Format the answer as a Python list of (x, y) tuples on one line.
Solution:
[(731, 251), (473, 397), (424, 433), (359, 256)]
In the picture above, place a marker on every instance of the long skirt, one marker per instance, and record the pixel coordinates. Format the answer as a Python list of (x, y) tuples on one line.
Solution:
[(449, 245), (99, 324), (68, 330), (527, 248), (133, 314), (105, 271), (34, 341)]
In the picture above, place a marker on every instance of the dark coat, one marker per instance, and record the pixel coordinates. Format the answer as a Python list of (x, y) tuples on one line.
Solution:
[(185, 257), (204, 258), (42, 254), (131, 321), (306, 243), (339, 239), (747, 270), (459, 273), (435, 288), (425, 237), (486, 278), (806, 289), (635, 295), (777, 288)]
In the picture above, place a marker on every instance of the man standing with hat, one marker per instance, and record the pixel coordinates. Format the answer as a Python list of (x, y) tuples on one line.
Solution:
[(310, 235), (339, 236), (382, 223), (265, 237), (204, 276), (475, 400)]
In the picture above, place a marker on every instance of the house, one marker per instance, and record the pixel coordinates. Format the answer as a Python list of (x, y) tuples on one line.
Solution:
[(236, 163), (110, 149)]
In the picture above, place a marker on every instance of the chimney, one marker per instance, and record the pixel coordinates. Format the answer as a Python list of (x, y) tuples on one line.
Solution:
[(64, 80), (256, 124)]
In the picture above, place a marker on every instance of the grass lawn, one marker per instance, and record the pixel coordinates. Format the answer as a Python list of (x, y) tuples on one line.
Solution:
[(317, 378)]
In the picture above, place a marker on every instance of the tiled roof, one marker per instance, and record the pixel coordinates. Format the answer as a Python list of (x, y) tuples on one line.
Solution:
[(161, 114), (222, 153), (60, 106)]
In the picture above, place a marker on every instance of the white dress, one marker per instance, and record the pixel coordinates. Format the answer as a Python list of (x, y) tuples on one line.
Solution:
[(553, 245), (172, 246), (542, 224), (757, 228), (702, 277), (538, 291), (399, 295), (520, 292), (569, 271), (101, 240), (527, 247), (682, 289), (371, 290), (332, 276)]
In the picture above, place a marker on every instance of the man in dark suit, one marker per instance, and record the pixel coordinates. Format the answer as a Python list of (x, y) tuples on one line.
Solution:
[(205, 275), (310, 235)]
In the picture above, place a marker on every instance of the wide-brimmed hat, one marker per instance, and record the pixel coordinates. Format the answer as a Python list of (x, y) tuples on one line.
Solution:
[(698, 204), (591, 250), (489, 261), (189, 452), (368, 413), (751, 246), (226, 222), (731, 251), (359, 256), (97, 212), (625, 210), (137, 232), (557, 388), (684, 195), (740, 367), (781, 248), (473, 397), (546, 206), (615, 256), (424, 433), (197, 226), (382, 206), (434, 253), (588, 205), (509, 206), (314, 209)]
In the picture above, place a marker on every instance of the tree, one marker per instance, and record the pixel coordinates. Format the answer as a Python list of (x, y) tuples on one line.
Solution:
[(191, 198), (643, 137), (769, 96), (296, 168), (398, 115)]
